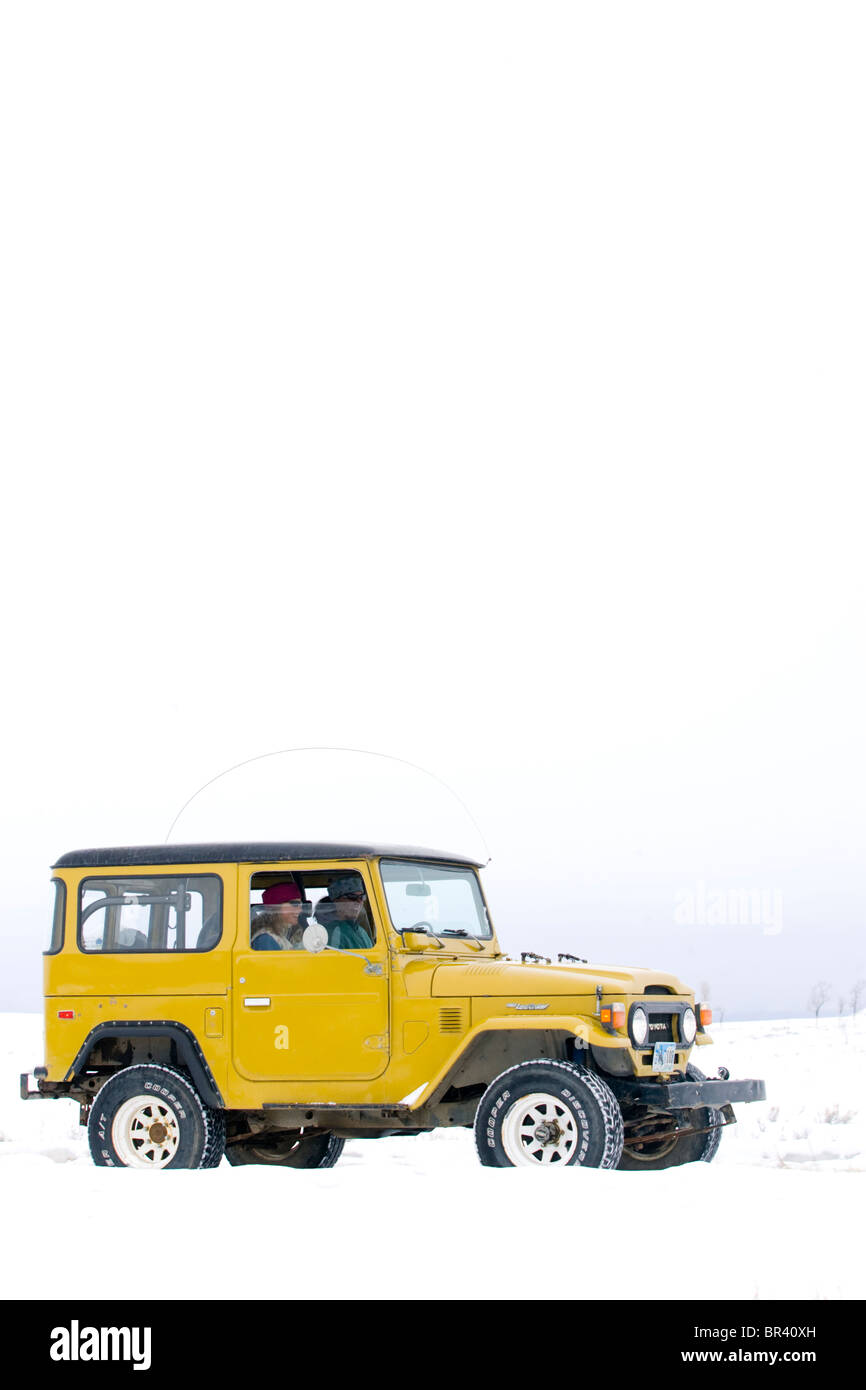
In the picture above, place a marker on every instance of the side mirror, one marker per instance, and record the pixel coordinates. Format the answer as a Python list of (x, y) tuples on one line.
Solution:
[(315, 938)]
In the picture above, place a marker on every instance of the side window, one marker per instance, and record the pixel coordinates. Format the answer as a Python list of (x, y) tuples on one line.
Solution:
[(56, 941), (171, 913), (282, 904)]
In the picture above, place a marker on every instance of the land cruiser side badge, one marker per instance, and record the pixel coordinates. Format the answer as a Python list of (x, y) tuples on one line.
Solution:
[(527, 1006)]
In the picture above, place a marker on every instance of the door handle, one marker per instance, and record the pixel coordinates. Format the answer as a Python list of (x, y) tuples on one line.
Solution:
[(257, 1002)]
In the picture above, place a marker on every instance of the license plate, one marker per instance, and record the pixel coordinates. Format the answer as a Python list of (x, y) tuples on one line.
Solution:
[(663, 1056)]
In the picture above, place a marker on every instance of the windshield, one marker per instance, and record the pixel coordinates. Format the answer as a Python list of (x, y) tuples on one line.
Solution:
[(446, 902)]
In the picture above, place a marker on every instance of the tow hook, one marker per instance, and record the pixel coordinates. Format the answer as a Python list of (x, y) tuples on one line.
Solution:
[(724, 1074)]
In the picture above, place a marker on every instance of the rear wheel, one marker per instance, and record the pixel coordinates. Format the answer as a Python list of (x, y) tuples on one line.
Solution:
[(653, 1141), (287, 1150), (151, 1116), (548, 1114)]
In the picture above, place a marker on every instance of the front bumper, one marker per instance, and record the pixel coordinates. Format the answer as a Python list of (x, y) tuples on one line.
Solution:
[(687, 1095)]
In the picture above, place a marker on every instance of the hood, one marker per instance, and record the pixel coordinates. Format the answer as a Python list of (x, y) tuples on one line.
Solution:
[(494, 978)]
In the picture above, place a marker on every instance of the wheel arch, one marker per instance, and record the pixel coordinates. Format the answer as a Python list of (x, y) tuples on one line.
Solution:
[(489, 1051), (189, 1053)]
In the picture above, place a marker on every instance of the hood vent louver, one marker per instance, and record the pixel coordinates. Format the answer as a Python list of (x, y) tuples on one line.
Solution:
[(452, 1020)]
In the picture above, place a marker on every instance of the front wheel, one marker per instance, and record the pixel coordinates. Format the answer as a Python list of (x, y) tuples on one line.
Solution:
[(548, 1114), (653, 1141), (151, 1116)]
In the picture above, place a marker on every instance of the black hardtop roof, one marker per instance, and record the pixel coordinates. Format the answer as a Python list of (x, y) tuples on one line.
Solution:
[(246, 852)]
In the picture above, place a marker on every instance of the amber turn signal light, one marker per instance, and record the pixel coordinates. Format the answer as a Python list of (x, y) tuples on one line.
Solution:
[(613, 1015), (705, 1016)]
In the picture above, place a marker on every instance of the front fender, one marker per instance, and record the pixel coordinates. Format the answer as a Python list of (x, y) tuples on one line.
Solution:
[(587, 1031)]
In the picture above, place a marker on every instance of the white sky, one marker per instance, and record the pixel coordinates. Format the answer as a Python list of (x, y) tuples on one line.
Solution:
[(477, 384)]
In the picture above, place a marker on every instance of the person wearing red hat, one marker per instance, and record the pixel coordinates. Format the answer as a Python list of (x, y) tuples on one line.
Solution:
[(281, 929)]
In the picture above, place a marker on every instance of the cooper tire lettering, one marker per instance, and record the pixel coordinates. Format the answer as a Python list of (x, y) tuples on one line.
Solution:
[(133, 1128)]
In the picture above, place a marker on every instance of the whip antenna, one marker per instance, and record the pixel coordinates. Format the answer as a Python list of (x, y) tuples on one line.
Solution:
[(367, 752)]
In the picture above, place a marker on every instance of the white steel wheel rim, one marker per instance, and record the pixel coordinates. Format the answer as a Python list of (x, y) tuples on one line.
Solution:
[(145, 1133), (539, 1130)]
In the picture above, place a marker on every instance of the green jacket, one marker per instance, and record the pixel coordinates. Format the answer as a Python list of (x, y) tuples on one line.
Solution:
[(348, 936)]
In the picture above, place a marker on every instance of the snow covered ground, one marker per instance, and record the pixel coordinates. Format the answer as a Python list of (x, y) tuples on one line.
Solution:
[(779, 1214)]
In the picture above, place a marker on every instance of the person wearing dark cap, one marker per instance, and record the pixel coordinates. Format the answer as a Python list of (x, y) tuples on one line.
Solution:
[(280, 929), (343, 913)]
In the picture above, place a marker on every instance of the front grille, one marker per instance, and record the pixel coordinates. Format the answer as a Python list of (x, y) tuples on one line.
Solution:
[(661, 1028)]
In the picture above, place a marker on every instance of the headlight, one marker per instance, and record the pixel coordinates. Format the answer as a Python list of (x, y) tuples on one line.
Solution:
[(688, 1026), (639, 1027)]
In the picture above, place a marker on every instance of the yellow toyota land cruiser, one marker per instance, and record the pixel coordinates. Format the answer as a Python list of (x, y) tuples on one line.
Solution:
[(268, 1001)]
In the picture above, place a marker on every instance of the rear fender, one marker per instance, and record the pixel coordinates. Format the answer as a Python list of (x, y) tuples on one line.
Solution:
[(189, 1054)]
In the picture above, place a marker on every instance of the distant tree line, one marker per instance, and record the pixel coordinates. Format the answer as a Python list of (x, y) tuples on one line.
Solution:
[(822, 989)]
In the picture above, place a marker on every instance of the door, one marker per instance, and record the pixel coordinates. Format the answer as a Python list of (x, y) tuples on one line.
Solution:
[(300, 1016)]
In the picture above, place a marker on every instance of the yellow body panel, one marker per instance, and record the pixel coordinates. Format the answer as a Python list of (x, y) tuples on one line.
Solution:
[(64, 1037), (497, 978)]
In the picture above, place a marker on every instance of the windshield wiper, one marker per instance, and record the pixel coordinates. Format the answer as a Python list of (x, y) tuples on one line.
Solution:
[(461, 931)]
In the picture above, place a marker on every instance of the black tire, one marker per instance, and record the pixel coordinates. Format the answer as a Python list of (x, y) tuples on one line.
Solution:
[(289, 1150), (151, 1116), (671, 1153), (548, 1114)]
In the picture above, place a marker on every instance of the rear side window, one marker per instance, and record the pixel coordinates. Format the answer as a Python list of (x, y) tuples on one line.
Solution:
[(172, 912), (56, 940)]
